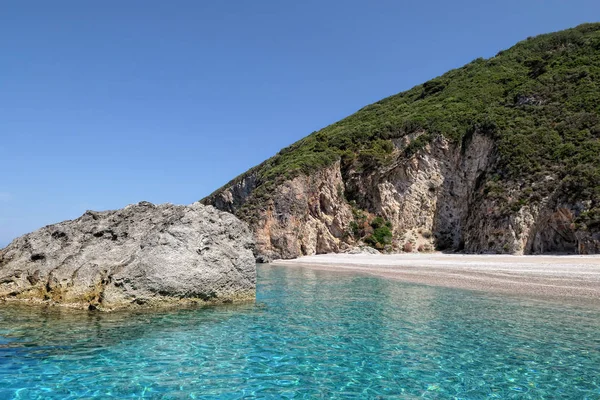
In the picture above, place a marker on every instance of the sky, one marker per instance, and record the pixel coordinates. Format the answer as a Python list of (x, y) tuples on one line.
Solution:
[(108, 103)]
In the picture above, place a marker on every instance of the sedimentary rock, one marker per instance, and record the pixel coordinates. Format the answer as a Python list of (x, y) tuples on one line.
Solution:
[(141, 255)]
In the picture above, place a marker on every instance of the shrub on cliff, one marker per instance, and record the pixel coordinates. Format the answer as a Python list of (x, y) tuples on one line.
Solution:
[(380, 237)]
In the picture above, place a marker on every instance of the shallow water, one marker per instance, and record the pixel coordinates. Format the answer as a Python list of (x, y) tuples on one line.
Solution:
[(311, 334)]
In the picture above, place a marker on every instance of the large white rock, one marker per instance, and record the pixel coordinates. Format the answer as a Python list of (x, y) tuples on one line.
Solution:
[(141, 255)]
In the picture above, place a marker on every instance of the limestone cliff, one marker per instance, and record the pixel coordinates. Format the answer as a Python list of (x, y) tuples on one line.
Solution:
[(501, 155), (437, 198)]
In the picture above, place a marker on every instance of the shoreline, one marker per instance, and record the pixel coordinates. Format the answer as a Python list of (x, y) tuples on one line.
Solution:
[(569, 277)]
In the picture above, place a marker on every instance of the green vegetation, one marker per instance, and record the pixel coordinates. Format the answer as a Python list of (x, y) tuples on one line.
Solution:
[(539, 101), (359, 226), (382, 233), (377, 233)]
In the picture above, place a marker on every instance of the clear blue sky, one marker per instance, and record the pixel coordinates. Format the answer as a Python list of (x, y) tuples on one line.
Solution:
[(106, 103)]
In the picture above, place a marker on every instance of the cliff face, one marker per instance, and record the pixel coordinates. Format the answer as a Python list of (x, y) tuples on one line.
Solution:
[(499, 156), (435, 199), (304, 215)]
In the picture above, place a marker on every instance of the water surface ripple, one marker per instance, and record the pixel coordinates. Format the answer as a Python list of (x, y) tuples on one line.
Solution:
[(311, 334)]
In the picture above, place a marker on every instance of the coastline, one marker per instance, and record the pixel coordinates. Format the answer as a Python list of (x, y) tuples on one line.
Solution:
[(569, 277)]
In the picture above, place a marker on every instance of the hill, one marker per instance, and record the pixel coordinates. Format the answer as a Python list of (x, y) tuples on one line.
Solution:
[(501, 155)]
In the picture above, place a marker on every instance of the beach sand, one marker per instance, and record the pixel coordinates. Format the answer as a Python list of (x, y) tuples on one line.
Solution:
[(552, 277)]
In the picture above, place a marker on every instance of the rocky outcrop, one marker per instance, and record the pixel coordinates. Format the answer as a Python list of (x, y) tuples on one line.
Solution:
[(441, 197), (362, 250), (304, 215), (234, 198), (141, 255)]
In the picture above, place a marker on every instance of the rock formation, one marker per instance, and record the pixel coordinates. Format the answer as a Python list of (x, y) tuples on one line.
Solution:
[(142, 255)]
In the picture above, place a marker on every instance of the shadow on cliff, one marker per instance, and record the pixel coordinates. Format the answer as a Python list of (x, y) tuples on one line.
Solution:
[(553, 233)]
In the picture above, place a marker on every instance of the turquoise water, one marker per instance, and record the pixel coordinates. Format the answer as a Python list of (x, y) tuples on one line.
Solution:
[(311, 334)]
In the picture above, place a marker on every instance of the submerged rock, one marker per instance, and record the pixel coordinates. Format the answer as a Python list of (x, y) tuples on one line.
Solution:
[(141, 255)]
